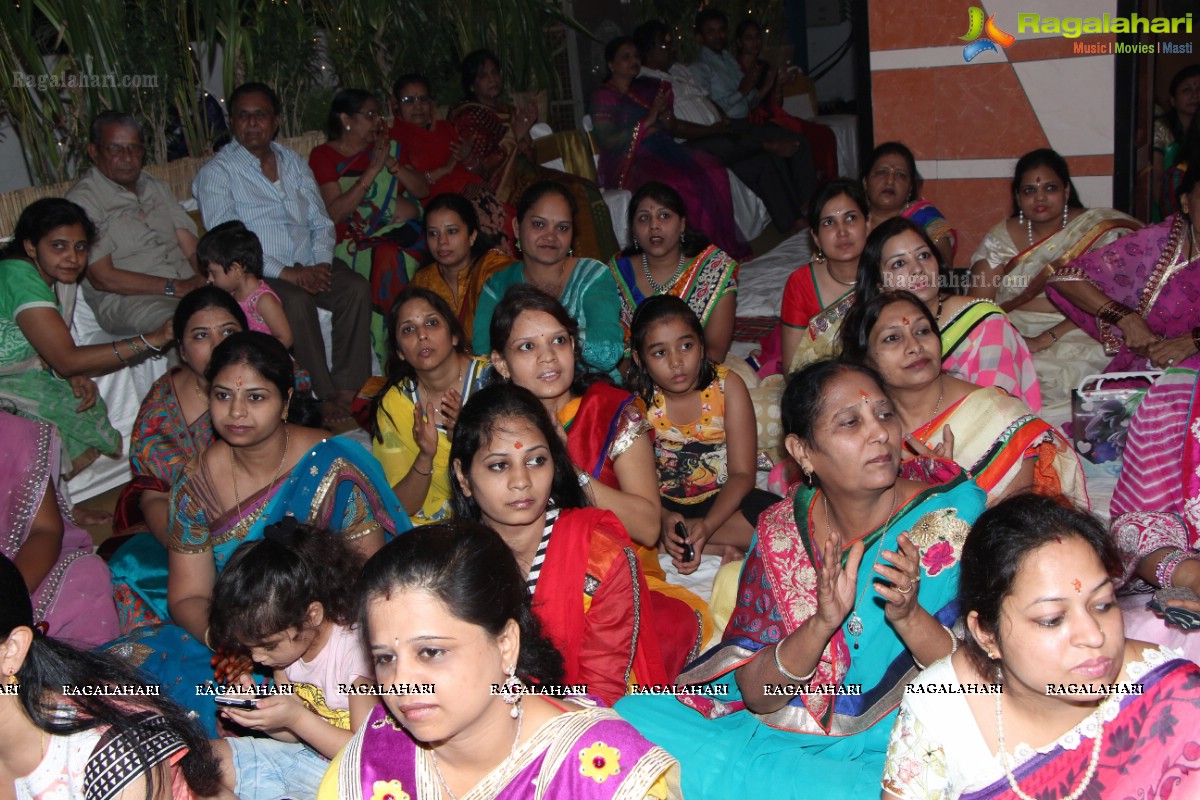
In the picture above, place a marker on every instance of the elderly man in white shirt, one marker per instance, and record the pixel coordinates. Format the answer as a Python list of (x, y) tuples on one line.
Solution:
[(699, 122)]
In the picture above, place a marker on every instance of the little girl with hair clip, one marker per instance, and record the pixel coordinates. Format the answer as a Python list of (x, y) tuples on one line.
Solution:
[(704, 434), (286, 599)]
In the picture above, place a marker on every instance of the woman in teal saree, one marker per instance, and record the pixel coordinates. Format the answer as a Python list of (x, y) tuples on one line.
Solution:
[(283, 469), (800, 694)]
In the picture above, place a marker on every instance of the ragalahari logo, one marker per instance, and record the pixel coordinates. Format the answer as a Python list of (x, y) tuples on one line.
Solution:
[(983, 35)]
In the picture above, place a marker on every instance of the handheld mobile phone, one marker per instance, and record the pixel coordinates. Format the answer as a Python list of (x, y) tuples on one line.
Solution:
[(235, 701), (1183, 618), (689, 552)]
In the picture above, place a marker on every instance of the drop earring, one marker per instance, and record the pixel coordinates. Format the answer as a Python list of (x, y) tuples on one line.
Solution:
[(819, 256), (510, 691), (1066, 209), (1021, 217)]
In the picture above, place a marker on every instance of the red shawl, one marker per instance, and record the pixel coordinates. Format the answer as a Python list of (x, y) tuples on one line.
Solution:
[(593, 603)]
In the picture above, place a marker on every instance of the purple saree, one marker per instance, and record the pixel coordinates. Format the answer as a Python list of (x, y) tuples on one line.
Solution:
[(632, 153), (606, 760)]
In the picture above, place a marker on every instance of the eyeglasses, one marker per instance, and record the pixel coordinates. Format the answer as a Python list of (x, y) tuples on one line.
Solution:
[(118, 150), (372, 115), (408, 100)]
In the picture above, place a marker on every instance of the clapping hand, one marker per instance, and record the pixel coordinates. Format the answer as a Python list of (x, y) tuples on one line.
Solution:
[(836, 584), (903, 573)]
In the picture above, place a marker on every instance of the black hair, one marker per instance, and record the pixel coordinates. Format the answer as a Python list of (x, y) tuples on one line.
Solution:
[(254, 87), (401, 369), (487, 410), (1044, 157), (405, 80), (693, 241), (832, 189), (804, 396), (111, 117), (537, 191), (472, 63), (860, 322), (707, 14), (526, 297), (999, 545), (348, 102), (645, 35), (745, 25), (896, 149), (50, 665), (1171, 117), (266, 355), (869, 281), (474, 574), (268, 584), (228, 243), (652, 311), (613, 47), (448, 201), (40, 218), (197, 300)]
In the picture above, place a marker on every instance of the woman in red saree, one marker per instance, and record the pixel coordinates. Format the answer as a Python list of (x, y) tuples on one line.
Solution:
[(512, 472), (497, 134), (536, 346), (1045, 697), (434, 148)]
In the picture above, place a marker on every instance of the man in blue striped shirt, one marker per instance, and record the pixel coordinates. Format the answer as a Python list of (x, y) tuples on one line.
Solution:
[(271, 189)]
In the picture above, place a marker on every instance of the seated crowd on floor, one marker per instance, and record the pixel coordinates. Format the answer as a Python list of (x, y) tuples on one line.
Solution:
[(906, 596)]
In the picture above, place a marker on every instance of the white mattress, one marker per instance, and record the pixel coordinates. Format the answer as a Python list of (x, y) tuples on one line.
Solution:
[(761, 280)]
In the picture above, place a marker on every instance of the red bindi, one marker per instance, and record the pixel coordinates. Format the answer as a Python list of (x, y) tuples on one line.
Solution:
[(865, 397), (1078, 585), (518, 445), (904, 321)]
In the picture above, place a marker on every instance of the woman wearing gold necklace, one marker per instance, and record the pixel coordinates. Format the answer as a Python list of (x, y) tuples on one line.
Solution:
[(818, 294), (1048, 228), (1046, 697), (584, 286), (261, 468), (985, 430), (844, 595), (670, 257)]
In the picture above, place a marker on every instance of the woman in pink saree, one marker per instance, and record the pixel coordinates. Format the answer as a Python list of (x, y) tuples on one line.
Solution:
[(1138, 296), (70, 586), (628, 115)]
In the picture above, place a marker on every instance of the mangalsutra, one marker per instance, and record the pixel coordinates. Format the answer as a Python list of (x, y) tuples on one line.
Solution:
[(660, 288), (854, 625), (237, 501), (196, 389)]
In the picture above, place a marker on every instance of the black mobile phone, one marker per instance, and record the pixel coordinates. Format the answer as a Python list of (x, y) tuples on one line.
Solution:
[(689, 552), (1183, 618), (235, 701)]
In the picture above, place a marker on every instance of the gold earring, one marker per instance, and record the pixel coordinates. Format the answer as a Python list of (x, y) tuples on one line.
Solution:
[(13, 680)]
